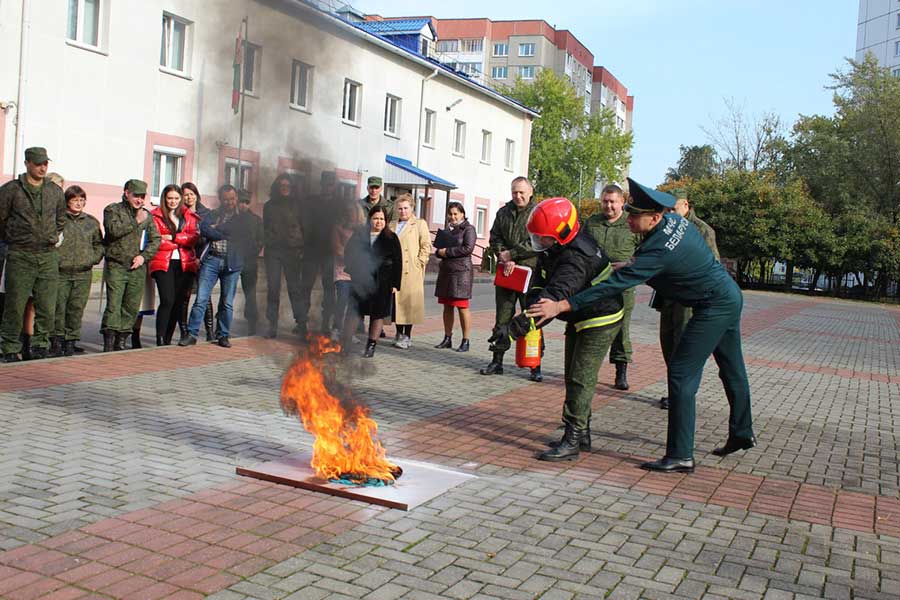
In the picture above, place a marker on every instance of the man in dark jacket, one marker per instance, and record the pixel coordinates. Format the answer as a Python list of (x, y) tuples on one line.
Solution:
[(32, 214), (283, 240), (319, 215), (570, 261), (230, 236), (250, 271)]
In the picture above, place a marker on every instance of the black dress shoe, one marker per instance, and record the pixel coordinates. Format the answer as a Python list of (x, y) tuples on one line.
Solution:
[(187, 341), (734, 445), (536, 375), (447, 342), (670, 465), (271, 334), (664, 403), (224, 342), (11, 357), (463, 346)]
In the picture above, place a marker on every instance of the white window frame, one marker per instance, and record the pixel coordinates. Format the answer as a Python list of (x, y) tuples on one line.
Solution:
[(166, 154), (503, 47), (392, 107), (526, 71), (348, 110), (525, 47), (897, 48), (297, 68), (430, 128), (459, 138), (469, 68), (471, 45), (253, 89), (898, 20), (441, 46), (509, 154), (498, 70), (246, 168), (487, 139), (78, 40), (165, 58), (481, 217)]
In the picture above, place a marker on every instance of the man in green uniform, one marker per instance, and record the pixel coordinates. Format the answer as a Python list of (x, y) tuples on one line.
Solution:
[(610, 230), (81, 249), (32, 214), (510, 243), (674, 317), (676, 262), (131, 241), (374, 197), (570, 261), (250, 271)]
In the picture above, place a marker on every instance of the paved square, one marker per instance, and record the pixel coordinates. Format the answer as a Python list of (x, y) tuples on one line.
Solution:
[(118, 474)]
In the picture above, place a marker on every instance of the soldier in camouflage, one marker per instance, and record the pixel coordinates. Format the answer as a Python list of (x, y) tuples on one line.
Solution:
[(32, 214), (511, 245), (610, 230), (81, 249)]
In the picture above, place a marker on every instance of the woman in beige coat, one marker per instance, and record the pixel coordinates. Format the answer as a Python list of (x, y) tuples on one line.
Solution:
[(415, 242)]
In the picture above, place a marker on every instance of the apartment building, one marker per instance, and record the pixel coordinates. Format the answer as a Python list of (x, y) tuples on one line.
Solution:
[(878, 32), (116, 89)]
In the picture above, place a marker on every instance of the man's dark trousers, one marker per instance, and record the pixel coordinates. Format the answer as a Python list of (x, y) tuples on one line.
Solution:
[(620, 351), (322, 267), (713, 329), (277, 262), (585, 351), (505, 301), (249, 277), (29, 274)]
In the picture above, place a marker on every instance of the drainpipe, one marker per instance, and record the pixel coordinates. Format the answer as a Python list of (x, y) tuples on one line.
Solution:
[(23, 81), (422, 113)]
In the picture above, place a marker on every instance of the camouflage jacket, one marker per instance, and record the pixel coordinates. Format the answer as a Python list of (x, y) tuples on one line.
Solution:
[(82, 245), (364, 208), (282, 229), (24, 228), (615, 238), (124, 235), (708, 233), (508, 233)]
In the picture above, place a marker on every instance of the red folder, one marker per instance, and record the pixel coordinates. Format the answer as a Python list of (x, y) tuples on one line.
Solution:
[(518, 280)]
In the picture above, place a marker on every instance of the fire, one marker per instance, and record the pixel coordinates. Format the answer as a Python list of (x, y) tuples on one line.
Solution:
[(346, 446)]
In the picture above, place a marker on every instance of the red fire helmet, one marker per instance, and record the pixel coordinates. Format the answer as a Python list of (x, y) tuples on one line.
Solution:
[(554, 218)]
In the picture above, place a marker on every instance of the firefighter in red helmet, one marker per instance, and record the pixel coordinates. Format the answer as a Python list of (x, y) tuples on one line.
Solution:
[(569, 261)]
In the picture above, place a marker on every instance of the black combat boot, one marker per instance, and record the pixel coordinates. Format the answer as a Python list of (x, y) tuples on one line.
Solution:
[(119, 342), (447, 342), (208, 319), (463, 346), (56, 343), (68, 348), (583, 444), (370, 348), (10, 357), (495, 367), (567, 448), (26, 346), (39, 353), (621, 376), (108, 340)]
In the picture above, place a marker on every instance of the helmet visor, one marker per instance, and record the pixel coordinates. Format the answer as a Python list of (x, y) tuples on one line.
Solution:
[(541, 243)]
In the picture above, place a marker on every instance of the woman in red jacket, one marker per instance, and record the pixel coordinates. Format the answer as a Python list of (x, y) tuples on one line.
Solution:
[(174, 266)]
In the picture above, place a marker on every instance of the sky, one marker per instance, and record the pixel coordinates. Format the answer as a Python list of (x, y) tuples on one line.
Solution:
[(682, 58)]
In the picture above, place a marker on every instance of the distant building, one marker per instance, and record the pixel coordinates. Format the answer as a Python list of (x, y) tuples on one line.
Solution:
[(878, 32)]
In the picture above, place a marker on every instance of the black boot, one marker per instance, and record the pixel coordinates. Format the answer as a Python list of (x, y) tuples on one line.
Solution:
[(108, 340), (567, 447), (664, 403), (370, 348), (160, 341), (10, 357), (39, 353), (208, 319), (68, 348), (463, 346), (536, 374), (447, 342), (583, 444), (56, 343), (26, 346), (495, 367), (119, 342), (621, 376), (135, 340)]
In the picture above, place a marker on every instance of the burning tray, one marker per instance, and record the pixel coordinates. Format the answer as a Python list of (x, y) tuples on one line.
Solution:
[(420, 481)]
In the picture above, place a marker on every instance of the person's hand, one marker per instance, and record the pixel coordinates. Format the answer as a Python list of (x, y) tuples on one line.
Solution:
[(442, 252), (167, 237), (141, 215), (137, 262), (508, 267), (547, 309), (395, 291), (504, 256), (618, 265)]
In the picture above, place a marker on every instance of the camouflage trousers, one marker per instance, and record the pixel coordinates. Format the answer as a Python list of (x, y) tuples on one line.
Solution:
[(72, 295), (29, 274)]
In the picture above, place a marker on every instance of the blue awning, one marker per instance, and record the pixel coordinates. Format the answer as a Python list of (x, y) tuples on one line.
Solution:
[(400, 171)]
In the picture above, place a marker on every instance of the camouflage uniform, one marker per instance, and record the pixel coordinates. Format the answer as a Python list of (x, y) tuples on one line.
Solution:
[(82, 248), (508, 233), (124, 286), (365, 206), (30, 221)]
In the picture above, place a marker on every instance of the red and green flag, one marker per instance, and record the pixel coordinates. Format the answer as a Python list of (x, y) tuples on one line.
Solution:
[(238, 64)]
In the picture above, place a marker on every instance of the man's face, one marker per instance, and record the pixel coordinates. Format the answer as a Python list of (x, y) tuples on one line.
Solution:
[(285, 187), (374, 192), (36, 171), (135, 200), (682, 206), (643, 222), (229, 200), (244, 207), (611, 203), (521, 194)]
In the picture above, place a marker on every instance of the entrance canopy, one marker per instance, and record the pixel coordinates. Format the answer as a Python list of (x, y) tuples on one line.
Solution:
[(401, 172)]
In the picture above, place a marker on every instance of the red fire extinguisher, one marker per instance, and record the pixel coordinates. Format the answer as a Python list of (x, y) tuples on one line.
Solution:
[(528, 348)]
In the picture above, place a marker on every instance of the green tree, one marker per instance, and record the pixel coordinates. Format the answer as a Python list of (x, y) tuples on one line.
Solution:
[(569, 148), (696, 162)]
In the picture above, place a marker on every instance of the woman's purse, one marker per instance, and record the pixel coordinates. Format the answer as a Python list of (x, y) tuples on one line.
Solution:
[(444, 239)]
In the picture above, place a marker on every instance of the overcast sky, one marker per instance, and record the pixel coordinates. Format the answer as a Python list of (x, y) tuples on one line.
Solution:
[(680, 58)]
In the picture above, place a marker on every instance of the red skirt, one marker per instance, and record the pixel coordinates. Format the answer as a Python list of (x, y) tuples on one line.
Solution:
[(455, 302)]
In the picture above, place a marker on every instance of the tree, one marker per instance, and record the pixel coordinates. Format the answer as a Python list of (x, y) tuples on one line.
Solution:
[(696, 162), (569, 149), (746, 145)]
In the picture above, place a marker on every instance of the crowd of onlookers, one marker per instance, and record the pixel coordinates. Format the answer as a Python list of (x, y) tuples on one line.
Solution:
[(368, 256)]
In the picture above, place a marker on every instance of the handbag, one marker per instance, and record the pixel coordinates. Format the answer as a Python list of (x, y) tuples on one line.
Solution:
[(444, 239)]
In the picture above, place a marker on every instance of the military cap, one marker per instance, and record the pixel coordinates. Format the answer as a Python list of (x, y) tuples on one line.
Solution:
[(376, 181), (136, 186), (36, 155), (644, 199)]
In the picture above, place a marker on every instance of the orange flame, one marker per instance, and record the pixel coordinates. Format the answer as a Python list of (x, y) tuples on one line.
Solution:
[(346, 444)]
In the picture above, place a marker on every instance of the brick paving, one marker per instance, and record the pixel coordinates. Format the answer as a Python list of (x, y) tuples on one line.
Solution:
[(118, 475)]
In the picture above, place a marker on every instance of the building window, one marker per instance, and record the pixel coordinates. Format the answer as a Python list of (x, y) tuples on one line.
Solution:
[(175, 51), (526, 49), (392, 115), (480, 220), (509, 156), (486, 138), (896, 48), (471, 45), (448, 46), (352, 97), (620, 123), (499, 72), (167, 168), (430, 125), (898, 20), (84, 22), (469, 68), (252, 61), (301, 78), (526, 72), (459, 138), (501, 49), (425, 47), (896, 72), (238, 173)]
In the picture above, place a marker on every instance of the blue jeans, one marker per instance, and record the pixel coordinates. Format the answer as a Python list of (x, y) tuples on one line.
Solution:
[(211, 269)]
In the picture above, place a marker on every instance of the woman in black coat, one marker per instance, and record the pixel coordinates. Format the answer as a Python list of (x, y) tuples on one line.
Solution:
[(454, 282), (374, 261)]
